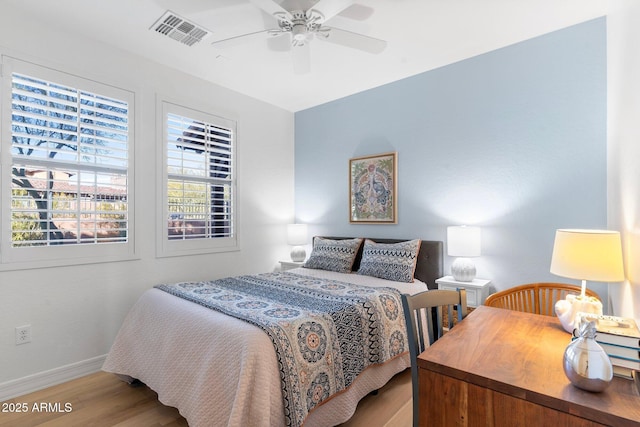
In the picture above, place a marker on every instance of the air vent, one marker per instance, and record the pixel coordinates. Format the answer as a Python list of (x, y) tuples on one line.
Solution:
[(179, 29)]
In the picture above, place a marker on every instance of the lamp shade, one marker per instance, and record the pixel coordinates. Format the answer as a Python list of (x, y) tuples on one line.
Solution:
[(463, 241), (297, 234), (594, 255)]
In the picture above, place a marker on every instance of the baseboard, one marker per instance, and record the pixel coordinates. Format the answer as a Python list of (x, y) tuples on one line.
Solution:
[(35, 382)]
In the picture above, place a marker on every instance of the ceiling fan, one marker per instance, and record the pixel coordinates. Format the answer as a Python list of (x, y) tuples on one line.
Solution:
[(303, 23)]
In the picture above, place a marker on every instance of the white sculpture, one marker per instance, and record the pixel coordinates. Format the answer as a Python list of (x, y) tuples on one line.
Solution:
[(567, 309)]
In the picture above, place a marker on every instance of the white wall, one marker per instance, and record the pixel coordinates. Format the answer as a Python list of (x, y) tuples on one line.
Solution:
[(76, 311), (624, 146)]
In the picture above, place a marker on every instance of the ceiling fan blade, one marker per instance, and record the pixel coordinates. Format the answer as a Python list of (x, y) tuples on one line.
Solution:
[(330, 8), (357, 12), (271, 7), (301, 57), (354, 40), (243, 38)]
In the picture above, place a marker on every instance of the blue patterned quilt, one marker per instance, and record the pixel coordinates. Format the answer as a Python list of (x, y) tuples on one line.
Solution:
[(325, 332)]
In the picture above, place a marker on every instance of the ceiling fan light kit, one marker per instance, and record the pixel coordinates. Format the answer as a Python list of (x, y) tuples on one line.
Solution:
[(302, 25)]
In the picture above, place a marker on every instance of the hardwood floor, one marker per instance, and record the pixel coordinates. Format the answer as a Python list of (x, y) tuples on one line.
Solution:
[(391, 407), (101, 400)]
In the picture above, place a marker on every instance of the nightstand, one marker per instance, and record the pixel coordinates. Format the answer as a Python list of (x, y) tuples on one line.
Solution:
[(477, 289), (288, 265)]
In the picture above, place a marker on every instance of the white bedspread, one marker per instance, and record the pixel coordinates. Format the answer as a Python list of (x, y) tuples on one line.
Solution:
[(221, 371)]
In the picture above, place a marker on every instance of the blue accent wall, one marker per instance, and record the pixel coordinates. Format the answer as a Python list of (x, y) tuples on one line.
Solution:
[(513, 141)]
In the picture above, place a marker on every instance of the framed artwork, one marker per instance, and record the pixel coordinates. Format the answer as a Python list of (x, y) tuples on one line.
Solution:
[(373, 189)]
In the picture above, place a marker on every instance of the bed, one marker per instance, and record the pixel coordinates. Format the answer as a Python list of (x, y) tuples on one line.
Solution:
[(219, 370)]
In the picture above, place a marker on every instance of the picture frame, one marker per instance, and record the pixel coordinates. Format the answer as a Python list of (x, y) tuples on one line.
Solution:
[(373, 189)]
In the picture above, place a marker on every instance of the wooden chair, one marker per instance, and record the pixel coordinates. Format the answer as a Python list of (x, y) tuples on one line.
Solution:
[(538, 298), (423, 316)]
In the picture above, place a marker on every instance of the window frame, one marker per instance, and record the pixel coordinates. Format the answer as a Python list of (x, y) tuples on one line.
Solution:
[(59, 255), (182, 247)]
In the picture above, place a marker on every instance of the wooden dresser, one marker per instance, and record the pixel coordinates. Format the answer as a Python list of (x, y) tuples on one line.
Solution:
[(504, 368)]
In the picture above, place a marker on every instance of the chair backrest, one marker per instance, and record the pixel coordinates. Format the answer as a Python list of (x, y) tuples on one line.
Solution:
[(423, 316), (538, 298)]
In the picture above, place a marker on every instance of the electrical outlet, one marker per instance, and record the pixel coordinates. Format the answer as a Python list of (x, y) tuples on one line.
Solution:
[(23, 334)]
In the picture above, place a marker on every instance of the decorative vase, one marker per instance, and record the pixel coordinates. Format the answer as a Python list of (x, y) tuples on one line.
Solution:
[(585, 363)]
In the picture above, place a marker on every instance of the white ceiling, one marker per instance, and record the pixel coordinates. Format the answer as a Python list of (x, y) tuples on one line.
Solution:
[(421, 35)]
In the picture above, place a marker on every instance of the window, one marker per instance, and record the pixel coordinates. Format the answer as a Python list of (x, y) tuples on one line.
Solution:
[(199, 190), (70, 145)]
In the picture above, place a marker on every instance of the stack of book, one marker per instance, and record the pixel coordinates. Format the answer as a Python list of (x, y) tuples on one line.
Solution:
[(620, 338)]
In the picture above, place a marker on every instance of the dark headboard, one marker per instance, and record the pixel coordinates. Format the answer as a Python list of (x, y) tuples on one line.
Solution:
[(430, 259)]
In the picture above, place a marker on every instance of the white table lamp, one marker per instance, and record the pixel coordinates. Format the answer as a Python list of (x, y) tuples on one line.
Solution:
[(585, 255), (297, 236), (463, 242)]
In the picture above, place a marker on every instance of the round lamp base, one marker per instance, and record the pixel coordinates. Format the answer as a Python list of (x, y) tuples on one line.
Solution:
[(463, 270), (298, 254)]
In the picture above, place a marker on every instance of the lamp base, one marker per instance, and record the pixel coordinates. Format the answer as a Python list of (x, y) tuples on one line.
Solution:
[(463, 270), (298, 254), (566, 310)]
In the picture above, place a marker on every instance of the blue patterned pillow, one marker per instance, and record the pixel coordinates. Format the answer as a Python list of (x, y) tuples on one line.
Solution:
[(391, 261), (333, 255)]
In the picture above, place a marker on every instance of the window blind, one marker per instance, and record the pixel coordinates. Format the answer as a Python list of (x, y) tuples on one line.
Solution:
[(199, 179), (69, 165)]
